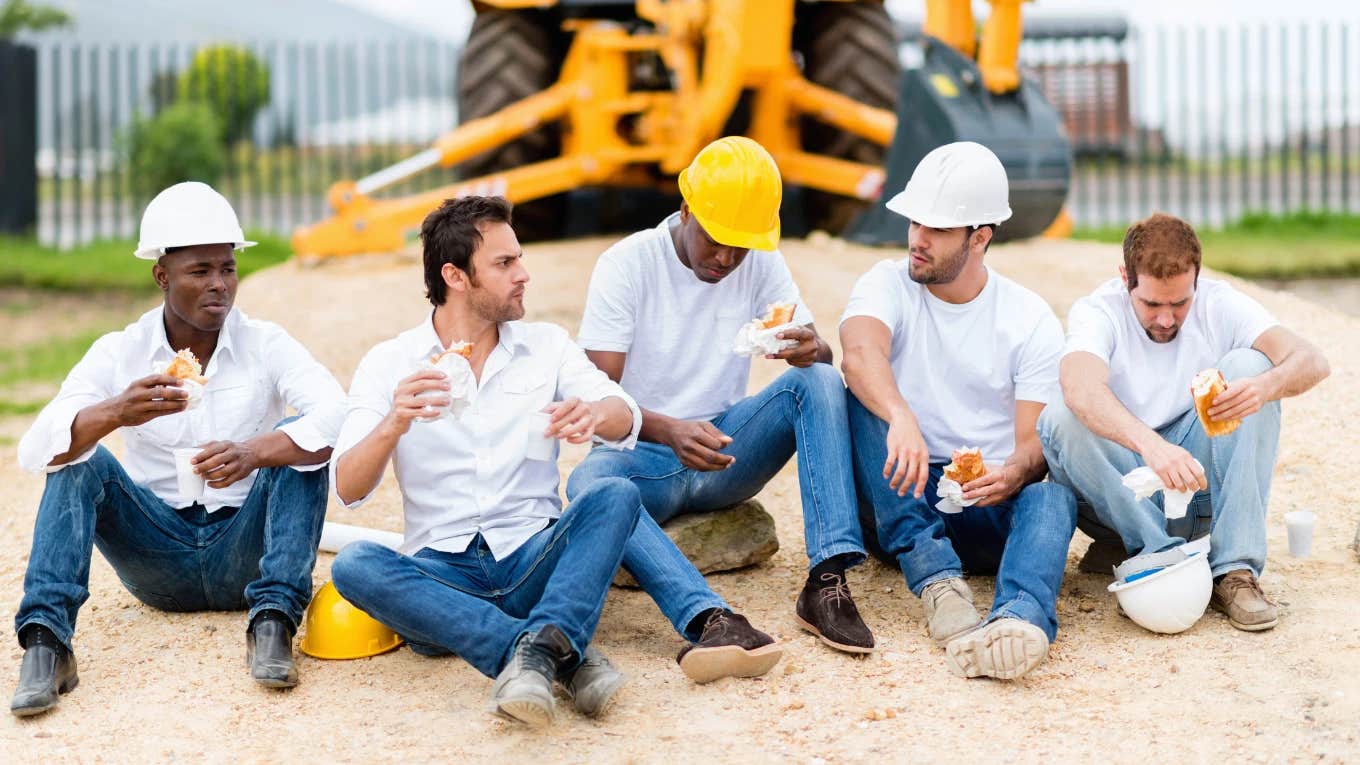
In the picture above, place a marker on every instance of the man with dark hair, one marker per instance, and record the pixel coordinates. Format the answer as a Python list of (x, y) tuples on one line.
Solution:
[(1133, 347), (492, 569), (244, 540)]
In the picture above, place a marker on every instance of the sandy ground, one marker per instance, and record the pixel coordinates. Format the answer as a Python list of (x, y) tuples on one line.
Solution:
[(161, 687)]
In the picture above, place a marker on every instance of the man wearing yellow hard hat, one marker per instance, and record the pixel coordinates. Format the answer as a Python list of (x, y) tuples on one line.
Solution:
[(665, 309), (211, 507)]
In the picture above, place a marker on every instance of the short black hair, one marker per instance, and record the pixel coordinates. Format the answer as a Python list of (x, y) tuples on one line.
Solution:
[(450, 235)]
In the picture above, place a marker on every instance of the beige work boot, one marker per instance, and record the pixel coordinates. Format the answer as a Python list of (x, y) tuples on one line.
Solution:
[(1239, 595), (1006, 649), (949, 609)]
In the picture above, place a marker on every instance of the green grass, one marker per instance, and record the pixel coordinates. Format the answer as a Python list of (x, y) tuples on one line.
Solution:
[(1295, 246), (106, 265), (44, 362)]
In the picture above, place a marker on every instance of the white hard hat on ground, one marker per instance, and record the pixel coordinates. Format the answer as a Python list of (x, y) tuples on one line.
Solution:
[(958, 184), (1170, 600), (186, 214)]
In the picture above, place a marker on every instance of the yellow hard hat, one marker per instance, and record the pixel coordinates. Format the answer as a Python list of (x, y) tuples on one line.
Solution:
[(733, 188), (335, 629)]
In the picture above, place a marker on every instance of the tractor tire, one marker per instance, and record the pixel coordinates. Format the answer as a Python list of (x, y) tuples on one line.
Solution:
[(511, 55), (851, 48)]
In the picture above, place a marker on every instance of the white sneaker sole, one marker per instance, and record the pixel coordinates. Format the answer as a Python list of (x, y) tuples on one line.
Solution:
[(1006, 649)]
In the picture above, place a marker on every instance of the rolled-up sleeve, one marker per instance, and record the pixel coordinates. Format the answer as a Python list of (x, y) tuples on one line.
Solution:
[(578, 377), (310, 389), (86, 385), (369, 401)]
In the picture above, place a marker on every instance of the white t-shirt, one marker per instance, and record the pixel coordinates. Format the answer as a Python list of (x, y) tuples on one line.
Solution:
[(1153, 379), (676, 329), (962, 367)]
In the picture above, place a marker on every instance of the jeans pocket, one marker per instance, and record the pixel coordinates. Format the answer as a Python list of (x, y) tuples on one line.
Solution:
[(156, 601)]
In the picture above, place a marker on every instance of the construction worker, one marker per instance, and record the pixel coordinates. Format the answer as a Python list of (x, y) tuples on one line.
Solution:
[(943, 353), (1133, 348), (492, 569), (662, 311), (234, 528)]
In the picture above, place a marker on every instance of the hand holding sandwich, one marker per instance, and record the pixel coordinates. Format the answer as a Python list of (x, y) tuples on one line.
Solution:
[(1241, 398), (806, 353), (146, 399)]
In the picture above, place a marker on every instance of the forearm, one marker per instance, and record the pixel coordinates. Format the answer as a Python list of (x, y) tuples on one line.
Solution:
[(614, 418), (824, 353), (90, 425), (360, 469), (871, 380), (1295, 374), (1028, 458), (656, 427), (1100, 410), (276, 449)]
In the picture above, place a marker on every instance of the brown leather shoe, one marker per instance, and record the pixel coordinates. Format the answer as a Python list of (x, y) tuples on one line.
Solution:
[(729, 647), (1239, 595)]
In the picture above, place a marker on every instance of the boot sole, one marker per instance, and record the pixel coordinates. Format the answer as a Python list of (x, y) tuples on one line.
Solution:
[(704, 665), (64, 688), (809, 627), (271, 682), (1000, 650), (526, 711), (1262, 627)]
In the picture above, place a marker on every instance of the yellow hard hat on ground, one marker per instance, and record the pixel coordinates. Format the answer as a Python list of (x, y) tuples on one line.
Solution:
[(335, 629), (734, 189)]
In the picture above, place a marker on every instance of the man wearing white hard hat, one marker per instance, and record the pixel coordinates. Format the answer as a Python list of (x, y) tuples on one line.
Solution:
[(943, 355), (235, 524)]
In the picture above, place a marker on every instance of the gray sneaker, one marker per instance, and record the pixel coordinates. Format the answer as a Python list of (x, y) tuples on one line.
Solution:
[(949, 609), (524, 689), (594, 684), (1006, 649)]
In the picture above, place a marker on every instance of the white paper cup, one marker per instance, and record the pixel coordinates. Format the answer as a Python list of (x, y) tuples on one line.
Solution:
[(539, 446), (191, 484), (1300, 525)]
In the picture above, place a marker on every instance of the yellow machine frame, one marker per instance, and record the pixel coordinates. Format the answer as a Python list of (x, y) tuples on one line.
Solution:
[(746, 46)]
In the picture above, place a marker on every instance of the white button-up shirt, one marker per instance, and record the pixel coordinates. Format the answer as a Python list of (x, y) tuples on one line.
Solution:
[(460, 477), (256, 370)]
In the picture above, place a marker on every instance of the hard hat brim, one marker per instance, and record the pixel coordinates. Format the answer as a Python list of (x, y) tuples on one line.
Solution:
[(746, 240), (155, 253), (901, 205)]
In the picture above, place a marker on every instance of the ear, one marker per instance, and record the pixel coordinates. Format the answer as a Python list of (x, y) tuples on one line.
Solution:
[(1124, 277), (684, 212), (979, 239), (161, 275), (454, 277)]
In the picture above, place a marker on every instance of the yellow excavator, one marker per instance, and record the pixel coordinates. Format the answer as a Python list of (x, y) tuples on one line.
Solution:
[(558, 96)]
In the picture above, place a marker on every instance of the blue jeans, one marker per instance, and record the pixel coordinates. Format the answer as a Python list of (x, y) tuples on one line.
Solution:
[(1238, 467), (804, 411), (257, 556), (477, 607), (1023, 540)]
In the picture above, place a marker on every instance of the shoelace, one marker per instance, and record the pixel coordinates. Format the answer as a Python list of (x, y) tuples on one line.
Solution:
[(535, 659), (835, 592), (716, 623), (1233, 584)]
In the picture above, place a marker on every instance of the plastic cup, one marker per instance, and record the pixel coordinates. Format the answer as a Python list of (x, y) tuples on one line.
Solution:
[(1300, 525), (539, 446), (191, 484)]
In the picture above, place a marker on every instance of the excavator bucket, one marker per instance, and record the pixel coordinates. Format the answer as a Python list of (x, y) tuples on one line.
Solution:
[(944, 100)]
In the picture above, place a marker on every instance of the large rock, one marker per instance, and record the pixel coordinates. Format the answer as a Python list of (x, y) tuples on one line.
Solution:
[(721, 540)]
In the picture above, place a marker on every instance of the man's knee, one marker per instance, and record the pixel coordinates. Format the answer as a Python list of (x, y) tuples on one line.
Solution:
[(599, 465), (357, 566), (818, 377), (617, 496), (1243, 362), (1053, 502)]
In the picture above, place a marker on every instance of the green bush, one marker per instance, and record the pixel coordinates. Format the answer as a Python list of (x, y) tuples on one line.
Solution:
[(232, 81), (182, 143)]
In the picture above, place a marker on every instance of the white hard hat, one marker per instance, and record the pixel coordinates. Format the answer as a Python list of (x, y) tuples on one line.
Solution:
[(958, 184), (186, 214), (1170, 600)]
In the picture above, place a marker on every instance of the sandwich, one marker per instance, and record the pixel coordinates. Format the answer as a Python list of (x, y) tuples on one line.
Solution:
[(1205, 388), (185, 366), (967, 466), (777, 314), (457, 349)]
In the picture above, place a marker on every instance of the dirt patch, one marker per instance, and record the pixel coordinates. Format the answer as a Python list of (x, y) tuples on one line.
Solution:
[(159, 686)]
